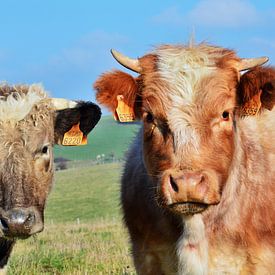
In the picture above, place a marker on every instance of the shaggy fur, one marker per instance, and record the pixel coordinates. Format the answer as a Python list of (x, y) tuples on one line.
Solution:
[(29, 127), (15, 105), (189, 99)]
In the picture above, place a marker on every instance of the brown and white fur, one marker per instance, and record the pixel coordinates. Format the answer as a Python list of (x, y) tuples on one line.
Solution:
[(197, 190)]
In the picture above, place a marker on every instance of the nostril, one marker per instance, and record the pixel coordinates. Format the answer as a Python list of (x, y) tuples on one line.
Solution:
[(173, 184), (4, 224), (30, 220), (202, 179)]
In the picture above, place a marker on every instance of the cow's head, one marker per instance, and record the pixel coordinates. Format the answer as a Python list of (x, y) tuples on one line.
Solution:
[(30, 124), (187, 98)]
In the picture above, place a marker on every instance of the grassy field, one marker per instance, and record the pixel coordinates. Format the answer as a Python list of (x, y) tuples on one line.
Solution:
[(85, 193), (91, 248), (83, 232), (107, 137)]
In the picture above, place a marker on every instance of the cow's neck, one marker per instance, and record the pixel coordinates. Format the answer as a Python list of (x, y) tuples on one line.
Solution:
[(192, 247)]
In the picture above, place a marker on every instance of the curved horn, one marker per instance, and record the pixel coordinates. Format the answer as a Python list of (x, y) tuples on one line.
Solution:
[(248, 63), (62, 103), (129, 63)]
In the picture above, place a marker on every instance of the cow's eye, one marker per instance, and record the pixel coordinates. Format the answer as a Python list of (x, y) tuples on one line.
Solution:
[(225, 115), (149, 118), (45, 149)]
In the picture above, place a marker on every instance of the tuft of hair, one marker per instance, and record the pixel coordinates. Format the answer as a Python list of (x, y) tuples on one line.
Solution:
[(17, 101), (112, 84), (194, 260)]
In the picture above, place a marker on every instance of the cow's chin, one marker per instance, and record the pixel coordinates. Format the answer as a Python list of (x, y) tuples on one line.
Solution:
[(18, 236), (188, 208)]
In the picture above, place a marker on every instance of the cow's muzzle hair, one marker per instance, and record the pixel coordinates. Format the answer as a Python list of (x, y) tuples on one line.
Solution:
[(20, 222)]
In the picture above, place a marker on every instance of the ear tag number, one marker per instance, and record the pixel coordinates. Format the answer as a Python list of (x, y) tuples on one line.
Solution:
[(253, 106), (74, 137), (124, 113)]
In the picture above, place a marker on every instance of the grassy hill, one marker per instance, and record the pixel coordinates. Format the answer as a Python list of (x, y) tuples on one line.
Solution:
[(86, 194), (107, 137), (83, 228)]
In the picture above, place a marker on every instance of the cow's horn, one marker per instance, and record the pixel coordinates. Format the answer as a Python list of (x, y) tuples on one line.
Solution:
[(62, 103), (129, 63), (248, 63)]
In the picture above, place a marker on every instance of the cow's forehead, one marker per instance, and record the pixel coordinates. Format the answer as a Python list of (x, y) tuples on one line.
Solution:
[(16, 102), (194, 56), (187, 73), (183, 68)]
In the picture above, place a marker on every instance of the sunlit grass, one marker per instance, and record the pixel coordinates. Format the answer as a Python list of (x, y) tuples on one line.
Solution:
[(85, 193), (83, 232), (96, 248)]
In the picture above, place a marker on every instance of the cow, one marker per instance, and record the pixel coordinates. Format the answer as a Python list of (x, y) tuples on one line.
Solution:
[(30, 124), (197, 189)]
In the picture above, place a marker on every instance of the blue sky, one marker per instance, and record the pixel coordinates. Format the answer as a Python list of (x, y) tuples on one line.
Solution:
[(65, 44)]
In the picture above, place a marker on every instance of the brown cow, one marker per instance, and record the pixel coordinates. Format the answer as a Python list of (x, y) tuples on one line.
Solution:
[(198, 190), (30, 124)]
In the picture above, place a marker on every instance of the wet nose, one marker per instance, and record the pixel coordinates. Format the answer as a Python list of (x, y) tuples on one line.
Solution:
[(185, 187), (19, 222), (186, 181)]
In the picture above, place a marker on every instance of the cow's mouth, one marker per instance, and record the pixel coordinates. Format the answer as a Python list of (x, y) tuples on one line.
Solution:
[(188, 208)]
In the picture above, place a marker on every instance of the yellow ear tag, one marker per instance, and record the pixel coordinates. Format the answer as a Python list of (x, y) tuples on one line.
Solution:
[(124, 113), (74, 137), (253, 106)]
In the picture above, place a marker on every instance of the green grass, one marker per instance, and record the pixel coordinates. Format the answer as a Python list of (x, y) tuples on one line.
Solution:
[(107, 137), (85, 193), (83, 229), (89, 248)]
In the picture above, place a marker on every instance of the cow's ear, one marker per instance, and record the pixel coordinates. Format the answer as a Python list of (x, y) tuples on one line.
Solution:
[(256, 90), (110, 86), (87, 114)]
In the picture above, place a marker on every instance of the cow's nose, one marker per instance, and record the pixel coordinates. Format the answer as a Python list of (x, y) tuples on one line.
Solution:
[(185, 192), (186, 181), (186, 186), (19, 223)]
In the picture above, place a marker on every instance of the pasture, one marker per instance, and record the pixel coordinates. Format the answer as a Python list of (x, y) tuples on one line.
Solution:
[(108, 137), (83, 232)]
